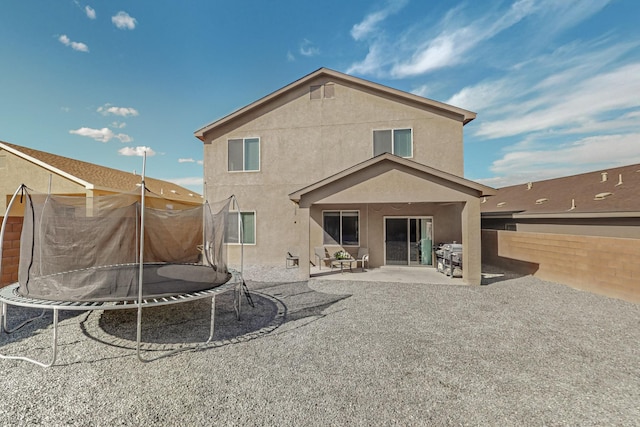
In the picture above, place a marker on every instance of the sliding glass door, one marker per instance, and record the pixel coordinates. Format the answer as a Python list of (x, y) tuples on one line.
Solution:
[(408, 241)]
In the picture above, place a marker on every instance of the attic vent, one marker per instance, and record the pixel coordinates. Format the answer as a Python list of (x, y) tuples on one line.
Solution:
[(529, 185), (484, 200), (501, 204), (619, 180), (602, 196), (573, 204), (604, 176), (190, 194), (174, 191), (315, 92), (541, 201), (329, 90)]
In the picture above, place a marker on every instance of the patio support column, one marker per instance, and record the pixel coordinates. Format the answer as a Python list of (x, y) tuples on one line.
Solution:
[(303, 222), (471, 243)]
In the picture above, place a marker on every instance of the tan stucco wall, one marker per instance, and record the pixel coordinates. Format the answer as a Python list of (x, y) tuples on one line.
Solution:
[(19, 171), (303, 141)]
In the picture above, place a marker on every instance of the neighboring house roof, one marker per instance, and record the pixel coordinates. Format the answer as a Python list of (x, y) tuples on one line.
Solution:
[(464, 184), (463, 115), (95, 177), (610, 192)]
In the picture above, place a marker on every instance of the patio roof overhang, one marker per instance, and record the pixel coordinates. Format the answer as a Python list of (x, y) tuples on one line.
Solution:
[(390, 179)]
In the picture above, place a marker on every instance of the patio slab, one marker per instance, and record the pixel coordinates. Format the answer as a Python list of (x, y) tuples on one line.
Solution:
[(393, 274)]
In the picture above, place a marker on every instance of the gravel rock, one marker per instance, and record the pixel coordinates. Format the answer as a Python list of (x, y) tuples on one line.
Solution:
[(517, 351)]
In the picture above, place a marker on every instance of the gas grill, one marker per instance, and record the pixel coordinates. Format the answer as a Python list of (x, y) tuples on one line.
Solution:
[(449, 258)]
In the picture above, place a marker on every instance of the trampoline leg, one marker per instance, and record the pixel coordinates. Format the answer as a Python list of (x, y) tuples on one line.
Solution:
[(54, 343), (213, 320)]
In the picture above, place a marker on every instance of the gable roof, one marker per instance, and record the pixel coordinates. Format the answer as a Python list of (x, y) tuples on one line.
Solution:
[(398, 162), (464, 115), (95, 177), (610, 192)]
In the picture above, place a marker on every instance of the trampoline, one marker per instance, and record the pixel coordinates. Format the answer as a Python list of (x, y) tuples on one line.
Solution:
[(124, 251)]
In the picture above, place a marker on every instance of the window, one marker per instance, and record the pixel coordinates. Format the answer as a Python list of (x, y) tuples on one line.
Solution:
[(341, 227), (248, 232), (244, 154), (394, 141)]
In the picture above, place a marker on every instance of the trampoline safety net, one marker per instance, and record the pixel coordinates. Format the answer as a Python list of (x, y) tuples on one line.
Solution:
[(76, 248)]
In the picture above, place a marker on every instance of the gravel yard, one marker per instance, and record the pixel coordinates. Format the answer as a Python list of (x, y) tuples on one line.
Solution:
[(517, 351)]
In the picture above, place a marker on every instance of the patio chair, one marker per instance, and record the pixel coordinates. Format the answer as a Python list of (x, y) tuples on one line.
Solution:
[(292, 261), (321, 255), (363, 257)]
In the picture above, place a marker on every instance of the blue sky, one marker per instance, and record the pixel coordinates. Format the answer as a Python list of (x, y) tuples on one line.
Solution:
[(555, 83)]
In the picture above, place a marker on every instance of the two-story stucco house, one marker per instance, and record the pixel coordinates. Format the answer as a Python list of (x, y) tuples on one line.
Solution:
[(332, 159)]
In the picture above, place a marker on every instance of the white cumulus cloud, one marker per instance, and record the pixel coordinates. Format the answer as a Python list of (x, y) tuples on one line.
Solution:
[(80, 47), (101, 135), (118, 111), (124, 21), (91, 13), (189, 160), (137, 151), (308, 49)]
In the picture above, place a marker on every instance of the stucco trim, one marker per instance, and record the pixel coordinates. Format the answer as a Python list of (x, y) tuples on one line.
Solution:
[(479, 189), (465, 115)]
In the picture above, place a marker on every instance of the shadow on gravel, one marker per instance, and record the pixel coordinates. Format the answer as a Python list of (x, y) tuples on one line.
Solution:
[(273, 305), (17, 315)]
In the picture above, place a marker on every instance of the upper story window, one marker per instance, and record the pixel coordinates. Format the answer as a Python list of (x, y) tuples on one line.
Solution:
[(394, 141), (244, 154)]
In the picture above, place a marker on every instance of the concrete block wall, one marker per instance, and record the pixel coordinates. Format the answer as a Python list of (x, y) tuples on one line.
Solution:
[(11, 251), (603, 265)]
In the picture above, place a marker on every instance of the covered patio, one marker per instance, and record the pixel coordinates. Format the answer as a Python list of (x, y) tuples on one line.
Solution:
[(379, 194)]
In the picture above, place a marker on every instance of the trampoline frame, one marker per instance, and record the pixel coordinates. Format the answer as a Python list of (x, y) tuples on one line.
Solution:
[(9, 296)]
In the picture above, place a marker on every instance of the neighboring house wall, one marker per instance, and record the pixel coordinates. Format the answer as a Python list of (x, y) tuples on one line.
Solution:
[(15, 171), (11, 250), (304, 140), (603, 265)]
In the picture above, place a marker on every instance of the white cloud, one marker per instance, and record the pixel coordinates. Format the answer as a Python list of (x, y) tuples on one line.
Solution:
[(123, 21), (80, 47), (195, 183), (571, 106), (118, 125), (308, 49), (290, 57), (118, 111), (189, 160), (137, 151), (200, 162), (551, 161), (422, 48), (101, 135), (369, 25), (91, 13)]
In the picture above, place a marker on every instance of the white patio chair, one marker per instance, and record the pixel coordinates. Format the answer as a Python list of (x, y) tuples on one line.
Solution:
[(363, 257)]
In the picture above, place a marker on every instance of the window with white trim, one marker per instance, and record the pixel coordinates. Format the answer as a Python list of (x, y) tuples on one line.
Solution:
[(241, 224), (394, 141), (342, 227), (244, 154)]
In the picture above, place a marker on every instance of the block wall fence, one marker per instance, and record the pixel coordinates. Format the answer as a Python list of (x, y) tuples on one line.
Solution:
[(602, 265), (11, 251)]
